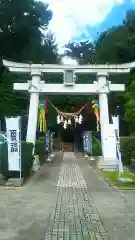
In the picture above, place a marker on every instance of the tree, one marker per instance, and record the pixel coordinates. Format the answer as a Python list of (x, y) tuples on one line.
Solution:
[(82, 51), (21, 25), (115, 45), (130, 103), (24, 37)]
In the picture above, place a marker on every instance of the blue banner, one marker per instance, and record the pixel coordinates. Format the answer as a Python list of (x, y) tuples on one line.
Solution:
[(47, 141), (87, 141)]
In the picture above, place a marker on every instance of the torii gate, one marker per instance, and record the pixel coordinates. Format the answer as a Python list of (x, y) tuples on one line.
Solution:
[(101, 87)]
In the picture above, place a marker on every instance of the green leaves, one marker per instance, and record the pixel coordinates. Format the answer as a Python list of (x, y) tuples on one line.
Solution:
[(115, 45), (82, 51), (21, 40)]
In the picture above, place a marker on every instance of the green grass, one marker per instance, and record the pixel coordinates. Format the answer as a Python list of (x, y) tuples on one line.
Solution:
[(113, 176)]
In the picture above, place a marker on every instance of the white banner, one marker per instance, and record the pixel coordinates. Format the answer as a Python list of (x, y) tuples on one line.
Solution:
[(110, 142), (115, 120), (13, 139)]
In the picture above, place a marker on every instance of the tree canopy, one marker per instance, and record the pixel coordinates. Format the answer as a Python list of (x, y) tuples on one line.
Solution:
[(23, 38), (22, 28), (115, 45)]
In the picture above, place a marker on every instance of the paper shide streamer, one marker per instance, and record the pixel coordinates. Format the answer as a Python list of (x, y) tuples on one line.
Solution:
[(42, 115)]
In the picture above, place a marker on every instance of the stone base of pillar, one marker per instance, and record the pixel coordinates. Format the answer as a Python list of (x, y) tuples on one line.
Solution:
[(107, 164), (36, 164)]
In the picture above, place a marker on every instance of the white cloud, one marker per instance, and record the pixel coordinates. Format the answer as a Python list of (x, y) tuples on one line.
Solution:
[(68, 61), (70, 17)]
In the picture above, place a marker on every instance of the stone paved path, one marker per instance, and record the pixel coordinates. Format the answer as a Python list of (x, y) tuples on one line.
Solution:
[(75, 215), (67, 199)]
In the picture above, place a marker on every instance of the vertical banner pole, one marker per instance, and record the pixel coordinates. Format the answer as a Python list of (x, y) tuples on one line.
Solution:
[(20, 148), (91, 144), (115, 120)]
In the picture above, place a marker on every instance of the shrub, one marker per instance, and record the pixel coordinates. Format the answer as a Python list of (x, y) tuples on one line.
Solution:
[(42, 139), (40, 150), (96, 147), (26, 161), (127, 149), (4, 160), (27, 158), (127, 145)]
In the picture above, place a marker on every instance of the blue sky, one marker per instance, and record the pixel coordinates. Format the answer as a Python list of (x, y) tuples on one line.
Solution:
[(114, 18), (84, 19)]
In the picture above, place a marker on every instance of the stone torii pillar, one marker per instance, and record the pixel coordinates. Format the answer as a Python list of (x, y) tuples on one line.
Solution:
[(103, 104), (104, 87), (33, 107)]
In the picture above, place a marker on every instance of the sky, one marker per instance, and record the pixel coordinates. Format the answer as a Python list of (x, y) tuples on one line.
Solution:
[(75, 20)]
